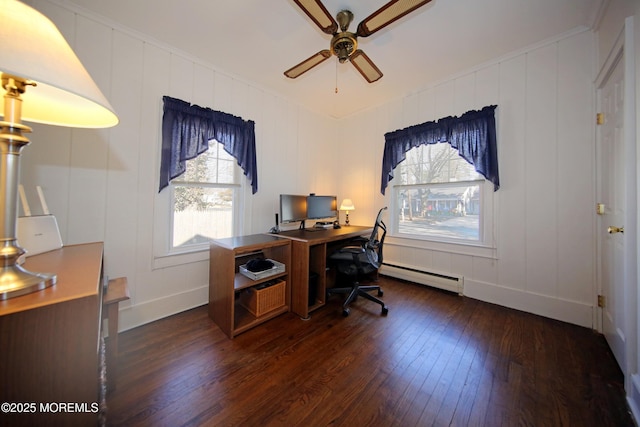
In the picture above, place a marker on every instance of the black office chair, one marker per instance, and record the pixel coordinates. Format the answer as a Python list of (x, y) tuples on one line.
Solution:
[(356, 262)]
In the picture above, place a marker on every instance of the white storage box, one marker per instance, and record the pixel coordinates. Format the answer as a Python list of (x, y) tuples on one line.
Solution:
[(276, 269)]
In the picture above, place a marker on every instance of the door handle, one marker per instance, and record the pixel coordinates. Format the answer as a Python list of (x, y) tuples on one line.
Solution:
[(611, 229)]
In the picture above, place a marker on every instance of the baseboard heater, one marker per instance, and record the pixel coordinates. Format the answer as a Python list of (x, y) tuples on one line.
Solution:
[(424, 277)]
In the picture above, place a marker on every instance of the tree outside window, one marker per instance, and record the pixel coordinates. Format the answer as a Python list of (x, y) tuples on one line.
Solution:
[(438, 195), (204, 198)]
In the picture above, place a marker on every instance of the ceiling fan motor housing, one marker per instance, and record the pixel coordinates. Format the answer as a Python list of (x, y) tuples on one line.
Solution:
[(343, 45)]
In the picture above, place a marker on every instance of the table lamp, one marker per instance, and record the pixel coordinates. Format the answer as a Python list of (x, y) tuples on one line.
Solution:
[(44, 82), (347, 205)]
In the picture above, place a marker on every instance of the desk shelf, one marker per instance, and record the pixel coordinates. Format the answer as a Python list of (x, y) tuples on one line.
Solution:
[(244, 320), (241, 282), (226, 282)]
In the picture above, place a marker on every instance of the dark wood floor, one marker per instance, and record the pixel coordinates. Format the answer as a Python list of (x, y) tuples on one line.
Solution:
[(436, 359)]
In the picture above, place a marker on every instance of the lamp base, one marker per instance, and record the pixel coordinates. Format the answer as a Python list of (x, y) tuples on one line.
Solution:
[(16, 281)]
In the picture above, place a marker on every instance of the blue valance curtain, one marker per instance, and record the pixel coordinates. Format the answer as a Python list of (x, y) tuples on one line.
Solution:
[(187, 130), (473, 134)]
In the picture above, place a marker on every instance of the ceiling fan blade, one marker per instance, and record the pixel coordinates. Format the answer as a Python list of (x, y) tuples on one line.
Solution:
[(387, 14), (367, 68), (319, 15), (308, 64)]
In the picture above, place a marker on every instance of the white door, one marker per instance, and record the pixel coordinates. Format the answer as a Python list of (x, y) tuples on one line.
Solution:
[(611, 196)]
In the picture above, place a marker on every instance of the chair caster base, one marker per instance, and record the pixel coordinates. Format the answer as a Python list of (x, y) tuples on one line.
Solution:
[(346, 311)]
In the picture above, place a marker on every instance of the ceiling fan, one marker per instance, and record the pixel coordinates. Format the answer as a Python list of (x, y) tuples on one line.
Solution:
[(344, 44)]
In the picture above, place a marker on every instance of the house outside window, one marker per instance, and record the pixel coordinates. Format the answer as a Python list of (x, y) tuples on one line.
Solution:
[(439, 196), (205, 200)]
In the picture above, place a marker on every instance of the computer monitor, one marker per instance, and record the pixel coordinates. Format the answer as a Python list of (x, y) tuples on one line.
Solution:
[(319, 207), (293, 208)]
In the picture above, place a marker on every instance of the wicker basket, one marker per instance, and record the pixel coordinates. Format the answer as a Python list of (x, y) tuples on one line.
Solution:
[(263, 300)]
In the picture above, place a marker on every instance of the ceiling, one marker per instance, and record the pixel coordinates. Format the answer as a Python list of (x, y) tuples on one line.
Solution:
[(257, 40)]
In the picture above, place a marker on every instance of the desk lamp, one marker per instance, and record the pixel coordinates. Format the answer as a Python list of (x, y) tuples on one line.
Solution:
[(347, 205), (37, 67)]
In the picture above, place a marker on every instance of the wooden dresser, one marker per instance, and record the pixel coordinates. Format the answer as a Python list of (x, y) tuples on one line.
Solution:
[(50, 343)]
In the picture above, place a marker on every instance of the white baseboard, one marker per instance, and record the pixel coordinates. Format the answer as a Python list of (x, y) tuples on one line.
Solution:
[(149, 311), (565, 310), (574, 312), (633, 397)]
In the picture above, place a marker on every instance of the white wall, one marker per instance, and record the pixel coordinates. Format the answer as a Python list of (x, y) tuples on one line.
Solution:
[(633, 384), (102, 185), (544, 215)]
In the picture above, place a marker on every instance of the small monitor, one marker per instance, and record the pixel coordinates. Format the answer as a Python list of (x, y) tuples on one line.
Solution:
[(293, 208), (319, 207)]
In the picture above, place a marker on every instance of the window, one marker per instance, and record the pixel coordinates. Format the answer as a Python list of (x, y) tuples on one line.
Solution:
[(439, 196), (205, 201), (203, 153)]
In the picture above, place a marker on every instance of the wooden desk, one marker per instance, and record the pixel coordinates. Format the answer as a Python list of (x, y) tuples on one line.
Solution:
[(309, 254), (50, 340)]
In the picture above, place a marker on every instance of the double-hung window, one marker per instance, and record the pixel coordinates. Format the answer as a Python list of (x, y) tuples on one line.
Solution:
[(445, 174), (205, 199), (438, 196), (204, 154)]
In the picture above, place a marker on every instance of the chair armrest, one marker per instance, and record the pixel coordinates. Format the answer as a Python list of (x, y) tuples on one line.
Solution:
[(351, 249), (360, 239)]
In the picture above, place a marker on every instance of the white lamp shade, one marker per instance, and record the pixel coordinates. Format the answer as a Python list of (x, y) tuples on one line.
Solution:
[(34, 49), (347, 205)]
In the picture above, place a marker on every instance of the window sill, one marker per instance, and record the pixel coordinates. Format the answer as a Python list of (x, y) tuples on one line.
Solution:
[(173, 260), (469, 249)]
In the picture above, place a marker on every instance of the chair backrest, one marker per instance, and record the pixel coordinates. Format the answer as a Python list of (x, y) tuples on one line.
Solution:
[(373, 247)]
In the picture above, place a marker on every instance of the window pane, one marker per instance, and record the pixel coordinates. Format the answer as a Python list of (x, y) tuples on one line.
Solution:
[(214, 166), (201, 214), (197, 170), (435, 163), (445, 211), (430, 203), (226, 169), (222, 154)]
